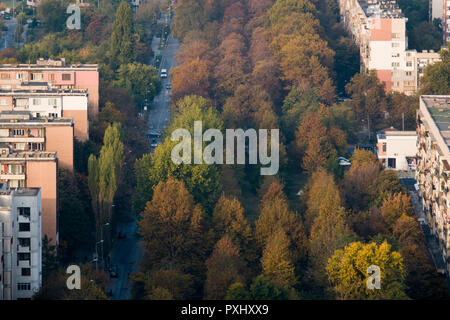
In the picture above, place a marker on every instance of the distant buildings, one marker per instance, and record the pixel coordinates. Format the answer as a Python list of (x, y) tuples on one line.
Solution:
[(440, 9), (20, 243), (433, 167), (397, 150), (379, 29)]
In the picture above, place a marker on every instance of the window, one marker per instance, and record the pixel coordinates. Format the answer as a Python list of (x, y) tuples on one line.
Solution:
[(395, 45), (24, 286), (395, 35), (18, 132), (396, 64), (384, 147), (23, 256), (4, 102), (51, 77), (5, 76), (24, 212), (409, 64), (66, 76), (52, 102), (408, 73), (26, 272), (36, 76), (36, 101), (19, 76), (24, 227), (24, 242), (21, 102)]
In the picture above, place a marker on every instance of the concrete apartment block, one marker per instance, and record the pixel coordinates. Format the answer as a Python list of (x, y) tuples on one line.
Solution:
[(36, 169), (21, 245), (379, 29), (433, 167), (51, 103), (57, 75)]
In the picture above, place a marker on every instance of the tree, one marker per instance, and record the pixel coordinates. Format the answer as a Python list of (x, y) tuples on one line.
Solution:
[(276, 214), (172, 229), (191, 77), (122, 50), (140, 80), (347, 272), (229, 219), (368, 97), (49, 259), (436, 76), (225, 267), (260, 289), (93, 286), (52, 14), (276, 261), (168, 284), (394, 206), (203, 180), (103, 180)]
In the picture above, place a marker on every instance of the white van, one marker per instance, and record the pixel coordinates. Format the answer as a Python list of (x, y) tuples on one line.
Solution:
[(163, 73)]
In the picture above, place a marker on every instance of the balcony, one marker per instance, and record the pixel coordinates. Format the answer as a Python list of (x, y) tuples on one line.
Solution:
[(22, 139), (12, 176)]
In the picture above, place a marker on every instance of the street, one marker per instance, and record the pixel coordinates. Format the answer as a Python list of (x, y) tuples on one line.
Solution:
[(126, 253), (8, 36)]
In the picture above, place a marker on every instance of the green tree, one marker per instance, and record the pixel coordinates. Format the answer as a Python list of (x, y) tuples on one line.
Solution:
[(122, 50), (53, 14), (140, 80), (436, 79), (347, 272)]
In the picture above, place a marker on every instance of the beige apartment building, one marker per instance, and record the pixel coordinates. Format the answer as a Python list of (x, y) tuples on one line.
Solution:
[(433, 167), (379, 29), (57, 75)]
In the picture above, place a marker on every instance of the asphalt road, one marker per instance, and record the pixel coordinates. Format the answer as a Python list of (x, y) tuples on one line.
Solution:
[(126, 253), (8, 36), (159, 113)]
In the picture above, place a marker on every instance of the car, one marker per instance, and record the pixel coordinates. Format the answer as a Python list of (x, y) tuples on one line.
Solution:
[(163, 73), (7, 16), (154, 143), (168, 86), (344, 161), (114, 271)]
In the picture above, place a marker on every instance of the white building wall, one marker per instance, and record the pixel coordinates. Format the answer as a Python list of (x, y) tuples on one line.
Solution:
[(79, 103)]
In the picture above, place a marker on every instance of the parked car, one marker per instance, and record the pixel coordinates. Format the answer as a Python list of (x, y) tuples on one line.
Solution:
[(168, 86), (114, 271), (154, 143), (344, 161)]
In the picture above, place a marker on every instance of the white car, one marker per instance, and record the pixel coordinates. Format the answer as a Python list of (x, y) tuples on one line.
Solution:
[(344, 161), (163, 73)]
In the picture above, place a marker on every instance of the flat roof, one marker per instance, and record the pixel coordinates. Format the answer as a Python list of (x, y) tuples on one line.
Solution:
[(439, 109), (381, 8)]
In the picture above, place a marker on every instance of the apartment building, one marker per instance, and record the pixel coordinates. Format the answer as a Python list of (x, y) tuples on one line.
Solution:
[(57, 75), (433, 167), (397, 150), (440, 9), (20, 244), (379, 29), (37, 169), (21, 132), (41, 101)]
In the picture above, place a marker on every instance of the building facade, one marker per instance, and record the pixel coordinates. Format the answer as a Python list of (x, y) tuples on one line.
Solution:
[(51, 103), (57, 75), (379, 29), (21, 243), (36, 169), (433, 167), (397, 150)]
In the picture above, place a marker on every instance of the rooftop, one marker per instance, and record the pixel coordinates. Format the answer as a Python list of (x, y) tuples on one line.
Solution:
[(381, 8), (439, 109), (25, 118), (50, 64)]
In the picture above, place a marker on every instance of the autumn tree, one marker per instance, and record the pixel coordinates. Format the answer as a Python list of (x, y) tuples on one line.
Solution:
[(347, 272), (172, 229), (394, 206), (276, 260), (191, 77), (276, 214), (225, 267)]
